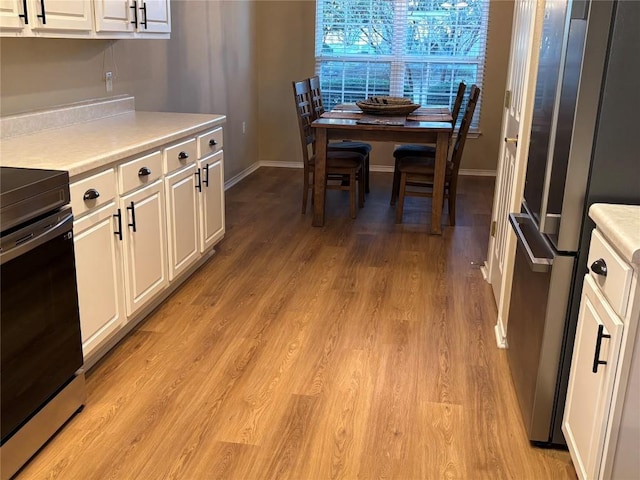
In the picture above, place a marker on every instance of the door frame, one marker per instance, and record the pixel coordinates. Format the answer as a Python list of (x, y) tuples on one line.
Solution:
[(531, 50)]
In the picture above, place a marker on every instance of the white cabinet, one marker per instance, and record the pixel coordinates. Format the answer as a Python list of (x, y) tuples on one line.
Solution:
[(593, 368), (130, 16), (211, 200), (86, 18), (98, 252), (182, 213), (601, 421), (155, 16), (51, 17), (143, 226), (12, 15)]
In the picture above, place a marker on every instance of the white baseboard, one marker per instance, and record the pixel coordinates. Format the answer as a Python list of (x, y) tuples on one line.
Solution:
[(377, 168), (484, 269), (270, 163), (381, 168), (501, 334), (477, 173), (242, 175)]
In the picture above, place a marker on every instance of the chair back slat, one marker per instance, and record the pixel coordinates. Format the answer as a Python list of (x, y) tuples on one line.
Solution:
[(305, 114), (461, 139), (316, 96), (458, 103)]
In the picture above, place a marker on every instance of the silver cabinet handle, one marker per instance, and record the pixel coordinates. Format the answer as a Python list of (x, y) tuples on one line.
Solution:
[(537, 264)]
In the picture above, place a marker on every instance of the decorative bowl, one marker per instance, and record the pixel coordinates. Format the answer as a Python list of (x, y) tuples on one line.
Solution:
[(387, 106)]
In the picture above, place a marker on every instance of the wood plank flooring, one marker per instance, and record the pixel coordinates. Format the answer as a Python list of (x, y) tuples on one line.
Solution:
[(364, 349)]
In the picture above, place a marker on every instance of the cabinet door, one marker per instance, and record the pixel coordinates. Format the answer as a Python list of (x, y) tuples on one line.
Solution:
[(114, 16), (154, 16), (182, 211), (589, 393), (212, 201), (10, 11), (98, 253), (60, 15), (144, 244)]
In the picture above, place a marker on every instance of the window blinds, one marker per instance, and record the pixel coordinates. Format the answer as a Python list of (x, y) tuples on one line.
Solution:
[(419, 49)]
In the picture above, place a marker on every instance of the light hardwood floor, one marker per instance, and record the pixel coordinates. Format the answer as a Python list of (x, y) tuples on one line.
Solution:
[(364, 349)]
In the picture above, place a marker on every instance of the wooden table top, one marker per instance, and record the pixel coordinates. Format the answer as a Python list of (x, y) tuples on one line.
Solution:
[(423, 114)]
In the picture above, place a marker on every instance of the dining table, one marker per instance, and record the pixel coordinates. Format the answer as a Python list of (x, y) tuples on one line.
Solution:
[(426, 125)]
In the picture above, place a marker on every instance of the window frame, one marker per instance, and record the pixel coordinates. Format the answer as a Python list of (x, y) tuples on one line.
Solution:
[(399, 59)]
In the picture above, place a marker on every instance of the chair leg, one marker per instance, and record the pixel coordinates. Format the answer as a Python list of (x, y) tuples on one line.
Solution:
[(352, 194), (366, 174), (402, 188), (452, 205), (305, 192), (362, 182), (395, 185)]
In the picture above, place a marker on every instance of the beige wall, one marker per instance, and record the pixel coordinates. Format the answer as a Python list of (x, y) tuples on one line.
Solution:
[(208, 66), (232, 57), (286, 53)]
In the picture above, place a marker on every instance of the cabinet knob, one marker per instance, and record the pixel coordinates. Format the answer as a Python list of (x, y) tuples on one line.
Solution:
[(213, 142), (599, 267), (183, 155), (91, 194), (144, 172)]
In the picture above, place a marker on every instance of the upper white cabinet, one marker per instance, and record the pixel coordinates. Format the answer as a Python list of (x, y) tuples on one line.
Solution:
[(86, 18), (53, 17), (132, 16), (155, 16), (11, 15)]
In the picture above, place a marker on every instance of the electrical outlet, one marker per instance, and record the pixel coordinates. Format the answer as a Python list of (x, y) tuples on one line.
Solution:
[(108, 78), (244, 127)]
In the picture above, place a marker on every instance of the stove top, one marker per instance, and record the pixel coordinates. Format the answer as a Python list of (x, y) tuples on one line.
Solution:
[(26, 193)]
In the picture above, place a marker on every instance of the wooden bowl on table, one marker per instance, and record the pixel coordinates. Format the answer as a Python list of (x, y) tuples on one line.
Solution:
[(387, 106)]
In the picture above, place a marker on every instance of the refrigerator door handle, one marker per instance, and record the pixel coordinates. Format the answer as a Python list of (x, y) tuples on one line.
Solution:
[(536, 264)]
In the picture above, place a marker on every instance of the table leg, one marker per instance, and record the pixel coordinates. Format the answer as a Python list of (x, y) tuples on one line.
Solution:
[(442, 146), (319, 177)]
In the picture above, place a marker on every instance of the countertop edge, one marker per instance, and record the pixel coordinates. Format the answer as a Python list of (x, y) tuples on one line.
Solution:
[(620, 224), (99, 143), (117, 156)]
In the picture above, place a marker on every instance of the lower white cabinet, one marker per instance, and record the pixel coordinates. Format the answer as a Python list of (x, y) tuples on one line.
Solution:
[(593, 369), (98, 254), (182, 214), (211, 200), (601, 423), (143, 224)]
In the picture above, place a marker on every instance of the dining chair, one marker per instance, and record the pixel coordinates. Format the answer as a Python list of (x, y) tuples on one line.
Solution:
[(340, 164), (429, 150), (418, 171), (360, 147)]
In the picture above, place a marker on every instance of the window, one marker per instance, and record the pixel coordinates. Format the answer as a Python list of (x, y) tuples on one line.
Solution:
[(419, 49)]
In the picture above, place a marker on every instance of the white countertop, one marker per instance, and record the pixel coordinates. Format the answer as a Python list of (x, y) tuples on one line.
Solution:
[(620, 224), (83, 147)]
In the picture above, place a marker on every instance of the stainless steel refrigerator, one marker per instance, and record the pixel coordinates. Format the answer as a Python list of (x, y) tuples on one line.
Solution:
[(585, 148)]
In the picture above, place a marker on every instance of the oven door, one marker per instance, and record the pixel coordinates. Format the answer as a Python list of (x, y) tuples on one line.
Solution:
[(41, 347)]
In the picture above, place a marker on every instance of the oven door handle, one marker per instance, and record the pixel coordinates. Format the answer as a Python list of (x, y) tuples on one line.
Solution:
[(27, 239)]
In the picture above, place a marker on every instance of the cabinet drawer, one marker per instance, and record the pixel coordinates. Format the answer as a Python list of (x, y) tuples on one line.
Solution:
[(616, 284), (210, 142), (141, 171), (92, 192), (180, 155)]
